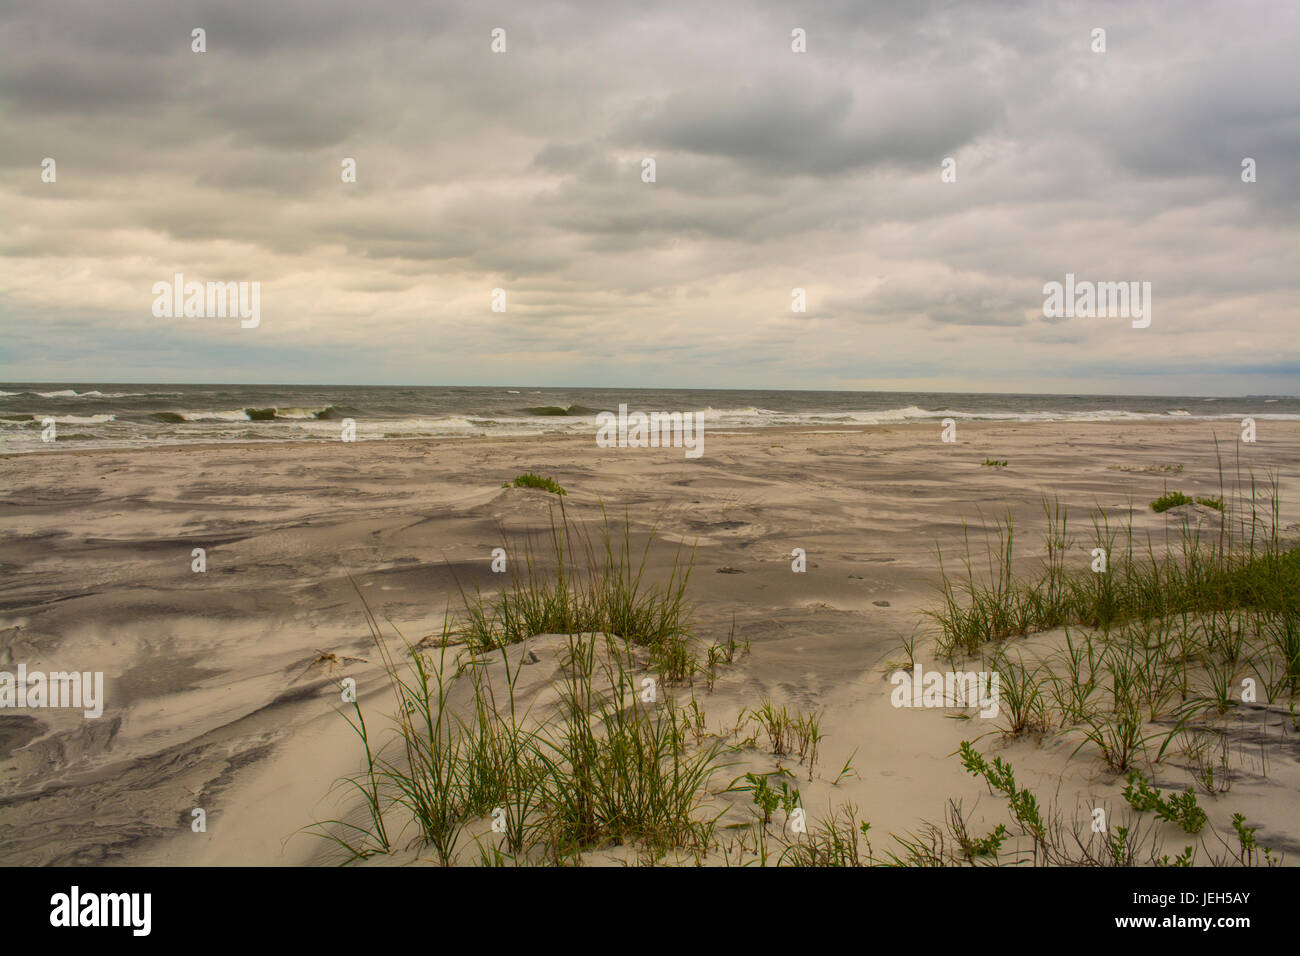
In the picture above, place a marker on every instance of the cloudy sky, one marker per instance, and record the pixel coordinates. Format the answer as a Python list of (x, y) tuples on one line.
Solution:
[(775, 170)]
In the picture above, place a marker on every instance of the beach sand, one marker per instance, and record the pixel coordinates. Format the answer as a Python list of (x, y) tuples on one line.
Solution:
[(210, 702)]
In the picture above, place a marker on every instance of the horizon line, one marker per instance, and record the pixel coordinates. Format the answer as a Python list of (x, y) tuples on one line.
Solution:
[(662, 388)]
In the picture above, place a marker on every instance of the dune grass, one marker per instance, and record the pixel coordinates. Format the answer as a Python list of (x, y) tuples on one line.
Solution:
[(1170, 499), (580, 586), (1159, 643), (1243, 565), (1036, 833), (614, 763), (607, 768), (529, 480), (1157, 635)]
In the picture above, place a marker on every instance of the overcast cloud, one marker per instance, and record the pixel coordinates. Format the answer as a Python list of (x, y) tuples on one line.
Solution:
[(775, 170)]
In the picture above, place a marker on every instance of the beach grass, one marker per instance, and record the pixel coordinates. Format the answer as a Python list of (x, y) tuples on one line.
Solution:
[(529, 480), (614, 763), (1242, 565), (1158, 646), (1155, 641), (1170, 499), (577, 585)]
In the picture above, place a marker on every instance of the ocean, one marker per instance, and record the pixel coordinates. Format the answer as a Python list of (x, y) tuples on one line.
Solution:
[(124, 415)]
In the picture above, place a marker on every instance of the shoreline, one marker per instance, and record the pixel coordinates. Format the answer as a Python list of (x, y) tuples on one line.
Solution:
[(1231, 424)]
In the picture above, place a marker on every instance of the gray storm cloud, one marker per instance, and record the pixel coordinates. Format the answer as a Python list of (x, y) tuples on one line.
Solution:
[(775, 170)]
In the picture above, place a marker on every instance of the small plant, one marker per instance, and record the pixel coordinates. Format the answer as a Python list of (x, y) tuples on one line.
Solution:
[(848, 770), (840, 841), (1215, 503), (767, 798), (716, 654), (807, 738), (799, 734), (1120, 847), (1183, 859), (529, 480), (1073, 691), (1249, 846), (973, 848), (908, 644), (695, 721), (1181, 808), (993, 463), (1170, 499), (1022, 695), (1141, 797), (673, 661), (989, 845), (1001, 777), (776, 723), (1118, 736)]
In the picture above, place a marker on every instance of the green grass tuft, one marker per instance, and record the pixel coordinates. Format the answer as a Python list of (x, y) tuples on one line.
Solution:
[(1170, 499), (581, 586), (607, 766), (529, 480)]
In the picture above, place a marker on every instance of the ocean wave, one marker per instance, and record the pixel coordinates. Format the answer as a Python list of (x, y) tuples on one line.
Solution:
[(746, 410), (430, 425), (558, 411), (24, 421), (334, 412), (218, 414), (253, 414), (326, 413), (129, 394), (234, 415), (93, 393)]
